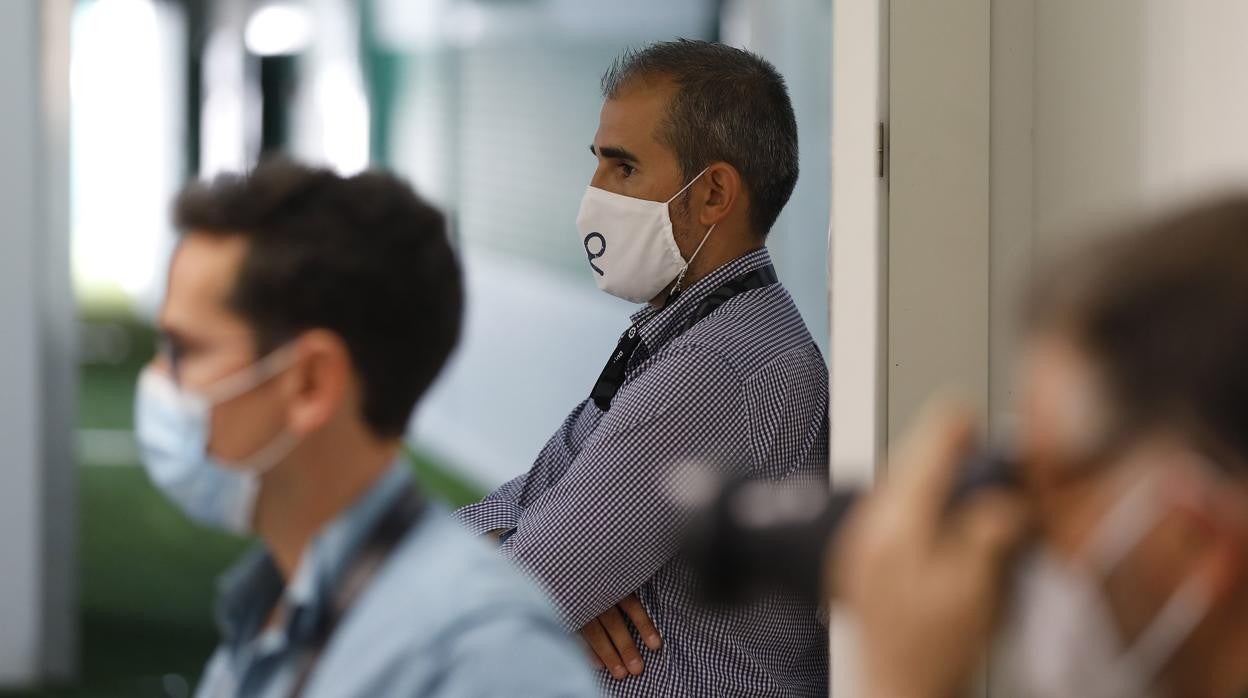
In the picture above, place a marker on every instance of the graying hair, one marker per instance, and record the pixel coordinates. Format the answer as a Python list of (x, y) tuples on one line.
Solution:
[(730, 106)]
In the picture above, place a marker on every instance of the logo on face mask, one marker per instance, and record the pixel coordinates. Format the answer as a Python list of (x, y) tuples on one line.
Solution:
[(602, 249)]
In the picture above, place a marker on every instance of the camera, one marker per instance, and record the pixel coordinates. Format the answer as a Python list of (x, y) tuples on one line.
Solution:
[(755, 537)]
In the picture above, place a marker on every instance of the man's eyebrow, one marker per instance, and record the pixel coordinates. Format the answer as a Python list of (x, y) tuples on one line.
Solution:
[(613, 152)]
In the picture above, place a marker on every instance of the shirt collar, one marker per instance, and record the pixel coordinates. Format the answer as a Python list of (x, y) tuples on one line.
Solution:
[(659, 326), (249, 589)]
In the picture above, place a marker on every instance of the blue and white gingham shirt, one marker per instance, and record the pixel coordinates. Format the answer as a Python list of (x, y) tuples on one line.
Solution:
[(596, 518)]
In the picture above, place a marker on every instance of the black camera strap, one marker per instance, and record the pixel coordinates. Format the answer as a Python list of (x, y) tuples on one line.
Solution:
[(612, 377)]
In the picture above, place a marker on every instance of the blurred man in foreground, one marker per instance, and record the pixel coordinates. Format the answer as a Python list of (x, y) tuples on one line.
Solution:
[(305, 315), (1125, 555)]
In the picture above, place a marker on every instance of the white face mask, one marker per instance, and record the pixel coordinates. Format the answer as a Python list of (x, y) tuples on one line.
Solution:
[(629, 242), (1062, 636), (172, 426)]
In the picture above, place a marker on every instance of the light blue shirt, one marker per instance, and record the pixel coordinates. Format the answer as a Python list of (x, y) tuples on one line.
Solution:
[(444, 617)]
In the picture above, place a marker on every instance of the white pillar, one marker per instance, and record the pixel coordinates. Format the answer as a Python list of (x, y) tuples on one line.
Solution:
[(857, 273), (910, 252), (37, 370)]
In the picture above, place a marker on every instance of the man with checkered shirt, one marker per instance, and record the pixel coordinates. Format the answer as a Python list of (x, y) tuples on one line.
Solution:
[(696, 154)]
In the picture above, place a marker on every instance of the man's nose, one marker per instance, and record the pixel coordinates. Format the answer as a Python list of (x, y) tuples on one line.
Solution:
[(599, 177)]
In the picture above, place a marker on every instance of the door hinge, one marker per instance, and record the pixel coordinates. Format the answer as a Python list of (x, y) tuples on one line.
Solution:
[(881, 149)]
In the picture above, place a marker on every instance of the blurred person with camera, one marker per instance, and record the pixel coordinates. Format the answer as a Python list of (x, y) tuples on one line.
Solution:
[(1119, 566)]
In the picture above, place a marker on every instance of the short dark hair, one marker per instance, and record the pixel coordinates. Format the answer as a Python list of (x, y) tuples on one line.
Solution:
[(730, 106), (1162, 310), (363, 257)]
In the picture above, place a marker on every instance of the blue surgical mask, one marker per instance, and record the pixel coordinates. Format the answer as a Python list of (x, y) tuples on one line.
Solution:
[(172, 427)]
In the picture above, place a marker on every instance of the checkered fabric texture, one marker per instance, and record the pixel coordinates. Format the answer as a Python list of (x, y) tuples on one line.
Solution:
[(743, 392)]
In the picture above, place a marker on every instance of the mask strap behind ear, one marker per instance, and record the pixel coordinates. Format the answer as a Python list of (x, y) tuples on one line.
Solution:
[(701, 244), (1121, 530), (685, 269), (270, 455), (690, 184), (251, 376), (1174, 623), (1133, 517)]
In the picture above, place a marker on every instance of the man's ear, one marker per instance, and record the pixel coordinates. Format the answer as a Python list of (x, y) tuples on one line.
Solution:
[(320, 382), (721, 188)]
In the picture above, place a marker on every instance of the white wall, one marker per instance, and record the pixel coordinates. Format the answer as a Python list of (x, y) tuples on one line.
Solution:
[(37, 372), (1139, 105), (1089, 75), (1195, 98), (938, 224), (1011, 191)]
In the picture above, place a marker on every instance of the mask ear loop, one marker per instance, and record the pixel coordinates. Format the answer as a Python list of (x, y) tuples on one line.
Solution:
[(251, 376), (270, 454), (1173, 624), (1121, 531), (690, 184), (685, 269), (240, 382)]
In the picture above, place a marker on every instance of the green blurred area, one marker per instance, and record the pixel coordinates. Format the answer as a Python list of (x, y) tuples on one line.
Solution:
[(147, 575)]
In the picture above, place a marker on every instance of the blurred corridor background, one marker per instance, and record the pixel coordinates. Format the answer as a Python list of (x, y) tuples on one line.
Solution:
[(971, 141), (488, 107)]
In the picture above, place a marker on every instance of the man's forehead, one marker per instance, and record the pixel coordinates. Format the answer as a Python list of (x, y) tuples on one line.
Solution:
[(636, 109), (202, 274)]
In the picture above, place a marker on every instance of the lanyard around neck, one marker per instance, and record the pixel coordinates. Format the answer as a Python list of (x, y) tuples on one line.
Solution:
[(385, 536), (612, 377)]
